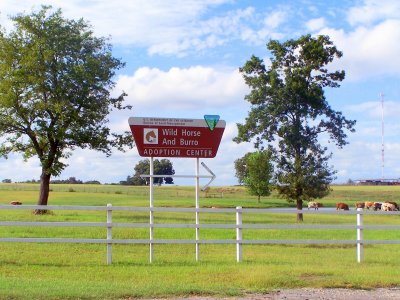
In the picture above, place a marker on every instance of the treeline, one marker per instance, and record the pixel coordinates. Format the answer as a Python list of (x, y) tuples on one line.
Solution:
[(161, 167), (71, 180)]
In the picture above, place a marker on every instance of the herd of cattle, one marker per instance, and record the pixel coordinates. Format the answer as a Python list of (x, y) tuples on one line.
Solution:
[(384, 206)]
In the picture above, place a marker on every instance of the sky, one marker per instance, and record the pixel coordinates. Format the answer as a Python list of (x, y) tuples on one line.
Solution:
[(183, 58)]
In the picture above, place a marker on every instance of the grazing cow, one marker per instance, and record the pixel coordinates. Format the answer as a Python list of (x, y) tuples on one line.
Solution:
[(394, 203), (314, 205), (360, 204), (15, 203), (388, 207), (369, 204), (341, 205), (377, 205)]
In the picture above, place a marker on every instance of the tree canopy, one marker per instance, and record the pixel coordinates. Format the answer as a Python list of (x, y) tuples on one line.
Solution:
[(241, 168), (289, 113), (55, 81)]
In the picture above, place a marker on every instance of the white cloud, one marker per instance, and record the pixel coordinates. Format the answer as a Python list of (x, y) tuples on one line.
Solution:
[(180, 89), (316, 24), (374, 10), (198, 35), (162, 26), (373, 109), (275, 19), (360, 160), (368, 52), (175, 27), (269, 28), (16, 169)]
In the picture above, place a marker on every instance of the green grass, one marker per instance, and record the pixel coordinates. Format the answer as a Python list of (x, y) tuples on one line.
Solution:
[(79, 271)]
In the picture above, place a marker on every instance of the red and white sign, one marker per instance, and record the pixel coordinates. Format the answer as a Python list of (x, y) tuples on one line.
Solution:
[(170, 137)]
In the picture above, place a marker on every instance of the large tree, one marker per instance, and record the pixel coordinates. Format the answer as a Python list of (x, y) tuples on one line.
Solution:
[(289, 113), (55, 81)]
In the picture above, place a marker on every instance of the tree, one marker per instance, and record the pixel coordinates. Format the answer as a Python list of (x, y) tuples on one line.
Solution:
[(259, 173), (241, 168), (142, 167), (55, 77), (128, 181), (164, 167), (6, 180), (289, 112), (161, 167)]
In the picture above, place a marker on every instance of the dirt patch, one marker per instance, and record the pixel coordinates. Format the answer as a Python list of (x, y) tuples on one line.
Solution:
[(327, 294), (313, 294)]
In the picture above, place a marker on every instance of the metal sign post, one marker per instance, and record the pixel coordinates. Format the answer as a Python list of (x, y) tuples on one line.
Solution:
[(172, 137), (151, 208), (197, 177), (197, 212)]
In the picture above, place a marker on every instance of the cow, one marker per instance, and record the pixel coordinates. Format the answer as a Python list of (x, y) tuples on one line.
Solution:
[(394, 203), (360, 205), (341, 205), (388, 207), (377, 206), (369, 204), (314, 205), (15, 203)]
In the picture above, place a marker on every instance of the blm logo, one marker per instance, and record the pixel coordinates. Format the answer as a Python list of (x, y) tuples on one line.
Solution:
[(150, 136)]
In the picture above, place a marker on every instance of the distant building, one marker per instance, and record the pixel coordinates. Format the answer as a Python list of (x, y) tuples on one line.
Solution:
[(378, 181)]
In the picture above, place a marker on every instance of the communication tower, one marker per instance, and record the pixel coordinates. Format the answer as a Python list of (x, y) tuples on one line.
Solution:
[(383, 136)]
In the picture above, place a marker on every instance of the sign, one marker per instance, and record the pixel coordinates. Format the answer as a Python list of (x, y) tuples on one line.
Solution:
[(170, 137)]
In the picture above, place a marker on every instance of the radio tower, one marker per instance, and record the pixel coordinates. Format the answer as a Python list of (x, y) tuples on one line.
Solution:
[(383, 141)]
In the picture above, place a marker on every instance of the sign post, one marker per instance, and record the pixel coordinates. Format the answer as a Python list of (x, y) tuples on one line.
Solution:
[(151, 186), (197, 212), (172, 137)]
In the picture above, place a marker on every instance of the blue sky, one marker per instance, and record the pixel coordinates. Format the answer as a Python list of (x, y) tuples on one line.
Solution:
[(182, 59)]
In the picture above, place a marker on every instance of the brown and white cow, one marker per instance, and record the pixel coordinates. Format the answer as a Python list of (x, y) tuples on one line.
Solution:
[(314, 205), (388, 207), (394, 203)]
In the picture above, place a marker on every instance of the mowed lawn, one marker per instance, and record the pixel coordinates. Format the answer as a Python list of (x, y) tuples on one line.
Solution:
[(79, 271)]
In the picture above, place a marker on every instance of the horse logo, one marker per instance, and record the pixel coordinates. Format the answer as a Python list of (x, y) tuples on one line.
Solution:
[(150, 136)]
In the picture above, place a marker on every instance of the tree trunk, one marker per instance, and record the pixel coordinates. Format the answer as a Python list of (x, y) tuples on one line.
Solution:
[(259, 201), (299, 206), (44, 192)]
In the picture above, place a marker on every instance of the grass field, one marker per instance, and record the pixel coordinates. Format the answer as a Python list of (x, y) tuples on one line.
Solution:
[(79, 271)]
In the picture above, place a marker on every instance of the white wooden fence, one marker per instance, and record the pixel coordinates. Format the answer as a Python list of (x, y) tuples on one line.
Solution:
[(238, 226)]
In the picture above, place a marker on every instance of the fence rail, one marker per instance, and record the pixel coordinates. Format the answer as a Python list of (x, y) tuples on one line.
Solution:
[(238, 226)]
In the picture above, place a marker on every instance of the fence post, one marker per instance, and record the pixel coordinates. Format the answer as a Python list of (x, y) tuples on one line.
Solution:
[(109, 234), (360, 246), (239, 250)]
